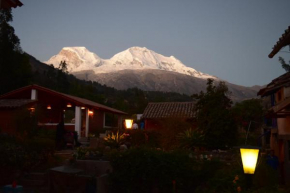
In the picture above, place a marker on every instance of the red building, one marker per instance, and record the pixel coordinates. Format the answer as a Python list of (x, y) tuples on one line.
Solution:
[(51, 107), (158, 115)]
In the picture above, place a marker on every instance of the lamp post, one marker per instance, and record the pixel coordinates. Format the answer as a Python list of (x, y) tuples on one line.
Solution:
[(249, 156), (128, 123)]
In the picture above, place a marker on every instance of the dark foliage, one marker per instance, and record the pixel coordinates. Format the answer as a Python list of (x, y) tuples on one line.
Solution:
[(247, 111), (284, 64), (15, 70), (145, 170), (214, 117)]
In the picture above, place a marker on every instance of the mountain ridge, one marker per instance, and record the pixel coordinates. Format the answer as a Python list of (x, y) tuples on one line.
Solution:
[(80, 59), (164, 81)]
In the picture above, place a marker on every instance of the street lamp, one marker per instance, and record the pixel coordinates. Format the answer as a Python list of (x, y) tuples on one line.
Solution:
[(249, 156), (128, 123)]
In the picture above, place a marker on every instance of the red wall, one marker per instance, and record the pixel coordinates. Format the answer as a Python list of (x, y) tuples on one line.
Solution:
[(6, 121), (96, 121)]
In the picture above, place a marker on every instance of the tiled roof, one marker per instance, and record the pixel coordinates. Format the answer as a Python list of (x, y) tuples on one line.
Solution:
[(283, 41), (168, 110), (277, 83), (14, 103)]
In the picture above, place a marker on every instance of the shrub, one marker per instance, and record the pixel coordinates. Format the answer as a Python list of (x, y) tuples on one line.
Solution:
[(144, 170), (24, 155), (115, 140), (191, 139), (86, 153)]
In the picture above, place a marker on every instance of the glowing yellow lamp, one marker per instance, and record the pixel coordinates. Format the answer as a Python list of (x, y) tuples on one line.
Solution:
[(249, 159), (128, 123), (68, 105)]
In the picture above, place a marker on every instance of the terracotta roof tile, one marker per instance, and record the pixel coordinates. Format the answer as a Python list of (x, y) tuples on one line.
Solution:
[(283, 41), (169, 109)]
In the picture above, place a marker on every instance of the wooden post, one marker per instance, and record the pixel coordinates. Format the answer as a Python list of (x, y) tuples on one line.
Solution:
[(87, 122), (33, 93), (78, 120)]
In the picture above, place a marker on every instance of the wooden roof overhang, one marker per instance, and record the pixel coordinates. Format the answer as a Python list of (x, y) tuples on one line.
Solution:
[(276, 84), (7, 4), (281, 110), (283, 41), (69, 98)]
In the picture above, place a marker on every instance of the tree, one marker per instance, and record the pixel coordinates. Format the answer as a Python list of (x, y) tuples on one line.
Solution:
[(214, 117), (247, 111), (63, 67), (249, 114), (284, 64), (15, 69)]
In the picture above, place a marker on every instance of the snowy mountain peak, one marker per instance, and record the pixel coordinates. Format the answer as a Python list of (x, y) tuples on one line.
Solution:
[(77, 59), (134, 58)]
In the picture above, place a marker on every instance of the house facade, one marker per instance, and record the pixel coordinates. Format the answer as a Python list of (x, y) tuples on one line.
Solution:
[(276, 97), (158, 115), (52, 107)]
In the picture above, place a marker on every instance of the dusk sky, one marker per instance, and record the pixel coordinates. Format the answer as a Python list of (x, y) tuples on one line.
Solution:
[(225, 38)]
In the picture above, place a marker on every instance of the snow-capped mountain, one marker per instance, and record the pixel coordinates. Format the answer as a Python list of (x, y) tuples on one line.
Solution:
[(134, 58)]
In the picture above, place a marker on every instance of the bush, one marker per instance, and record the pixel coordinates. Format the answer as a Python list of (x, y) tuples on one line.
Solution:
[(86, 153), (115, 140), (24, 155), (144, 170)]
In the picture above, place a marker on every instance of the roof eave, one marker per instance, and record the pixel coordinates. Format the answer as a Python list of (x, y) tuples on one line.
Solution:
[(283, 41)]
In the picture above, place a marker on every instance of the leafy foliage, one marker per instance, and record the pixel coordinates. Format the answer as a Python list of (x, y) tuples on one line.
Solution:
[(146, 170), (87, 153), (248, 110), (25, 155), (191, 139), (114, 140), (214, 117), (284, 64), (15, 70)]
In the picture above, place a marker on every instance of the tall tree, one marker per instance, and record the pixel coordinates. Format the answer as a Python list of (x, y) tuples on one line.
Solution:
[(214, 117), (249, 111), (15, 70)]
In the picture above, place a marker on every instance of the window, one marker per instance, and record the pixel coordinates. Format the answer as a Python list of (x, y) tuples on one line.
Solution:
[(111, 120)]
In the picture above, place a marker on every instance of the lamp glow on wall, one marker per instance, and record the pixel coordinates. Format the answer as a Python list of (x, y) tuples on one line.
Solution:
[(68, 105), (32, 109), (48, 107), (128, 123), (91, 112), (249, 156)]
